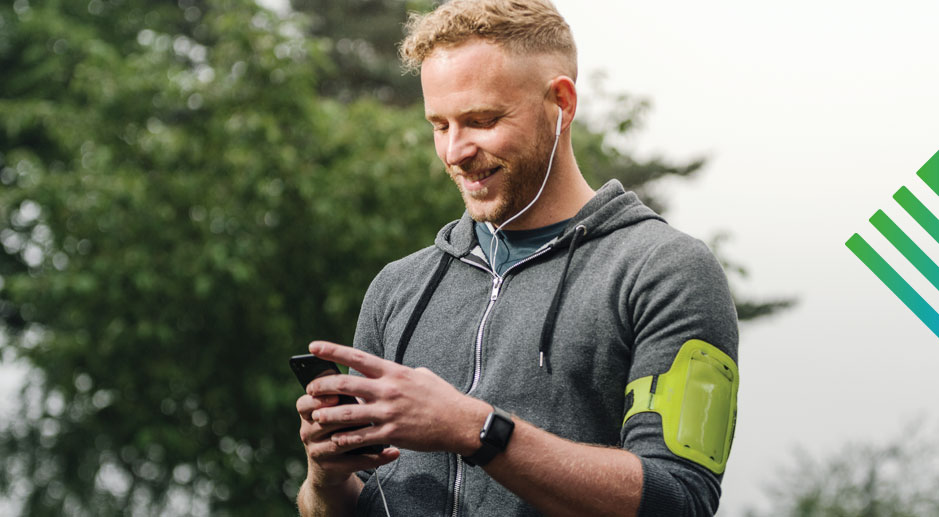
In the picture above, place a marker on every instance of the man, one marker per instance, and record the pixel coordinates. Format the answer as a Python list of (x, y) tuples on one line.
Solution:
[(558, 351)]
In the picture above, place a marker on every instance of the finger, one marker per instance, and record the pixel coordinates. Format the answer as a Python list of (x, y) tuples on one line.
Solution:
[(355, 438), (344, 415), (323, 373), (364, 363), (343, 385), (313, 432), (321, 448), (325, 401), (306, 405), (356, 462)]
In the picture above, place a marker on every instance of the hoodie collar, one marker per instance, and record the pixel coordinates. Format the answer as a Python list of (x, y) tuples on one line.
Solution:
[(610, 209)]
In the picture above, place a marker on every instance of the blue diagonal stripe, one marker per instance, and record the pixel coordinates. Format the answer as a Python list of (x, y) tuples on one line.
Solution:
[(894, 282), (906, 246)]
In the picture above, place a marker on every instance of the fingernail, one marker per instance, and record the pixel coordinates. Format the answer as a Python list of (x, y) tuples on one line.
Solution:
[(315, 416)]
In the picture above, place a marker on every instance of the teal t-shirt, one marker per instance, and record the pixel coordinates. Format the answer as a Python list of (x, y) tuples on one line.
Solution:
[(515, 245)]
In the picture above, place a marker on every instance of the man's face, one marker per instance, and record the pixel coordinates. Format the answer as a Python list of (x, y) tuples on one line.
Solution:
[(490, 128)]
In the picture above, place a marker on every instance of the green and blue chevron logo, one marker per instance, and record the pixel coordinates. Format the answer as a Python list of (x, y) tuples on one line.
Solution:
[(929, 174)]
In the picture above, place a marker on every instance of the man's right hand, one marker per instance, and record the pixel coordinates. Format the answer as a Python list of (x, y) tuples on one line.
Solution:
[(328, 463), (331, 488)]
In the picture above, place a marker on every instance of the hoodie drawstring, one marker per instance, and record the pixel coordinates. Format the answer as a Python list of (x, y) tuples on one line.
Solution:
[(548, 329), (422, 302)]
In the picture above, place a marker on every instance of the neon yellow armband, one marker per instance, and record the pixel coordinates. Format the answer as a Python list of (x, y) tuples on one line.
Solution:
[(697, 400)]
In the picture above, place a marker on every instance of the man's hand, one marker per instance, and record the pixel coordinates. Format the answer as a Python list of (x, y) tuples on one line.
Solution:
[(330, 487), (328, 463), (409, 408), (416, 409)]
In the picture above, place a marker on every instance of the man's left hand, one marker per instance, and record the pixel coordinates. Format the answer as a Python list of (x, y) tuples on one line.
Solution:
[(412, 408)]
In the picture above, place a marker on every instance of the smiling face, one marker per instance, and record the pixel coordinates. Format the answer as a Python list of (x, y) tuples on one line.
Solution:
[(490, 126)]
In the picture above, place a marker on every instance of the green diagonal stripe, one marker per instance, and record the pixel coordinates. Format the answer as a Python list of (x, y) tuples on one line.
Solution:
[(906, 246), (929, 173), (894, 282), (918, 211)]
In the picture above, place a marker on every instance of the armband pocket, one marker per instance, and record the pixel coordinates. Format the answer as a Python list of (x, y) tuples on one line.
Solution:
[(697, 400)]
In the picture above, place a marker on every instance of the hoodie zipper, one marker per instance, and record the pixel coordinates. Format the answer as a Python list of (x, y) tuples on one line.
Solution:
[(477, 366)]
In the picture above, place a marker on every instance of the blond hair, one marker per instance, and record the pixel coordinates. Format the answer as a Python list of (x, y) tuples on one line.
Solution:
[(522, 27)]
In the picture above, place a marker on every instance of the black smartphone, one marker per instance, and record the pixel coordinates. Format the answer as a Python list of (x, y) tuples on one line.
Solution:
[(308, 367)]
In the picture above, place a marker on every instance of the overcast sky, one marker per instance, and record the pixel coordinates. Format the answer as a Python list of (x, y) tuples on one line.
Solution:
[(812, 114)]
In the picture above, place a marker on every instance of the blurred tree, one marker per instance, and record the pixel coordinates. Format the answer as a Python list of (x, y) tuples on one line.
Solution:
[(190, 192), (896, 479), (177, 219), (363, 38)]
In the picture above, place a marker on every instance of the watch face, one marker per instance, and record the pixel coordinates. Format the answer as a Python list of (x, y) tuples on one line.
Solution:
[(500, 427), (497, 430), (494, 436)]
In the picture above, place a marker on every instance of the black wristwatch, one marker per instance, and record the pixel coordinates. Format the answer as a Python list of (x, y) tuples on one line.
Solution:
[(494, 436)]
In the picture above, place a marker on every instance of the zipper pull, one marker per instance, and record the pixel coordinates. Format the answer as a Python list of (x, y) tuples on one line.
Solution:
[(496, 285)]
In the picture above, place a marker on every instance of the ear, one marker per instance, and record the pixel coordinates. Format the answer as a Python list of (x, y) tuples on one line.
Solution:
[(562, 92)]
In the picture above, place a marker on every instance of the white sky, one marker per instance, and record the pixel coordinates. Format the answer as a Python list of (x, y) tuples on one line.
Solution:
[(813, 114)]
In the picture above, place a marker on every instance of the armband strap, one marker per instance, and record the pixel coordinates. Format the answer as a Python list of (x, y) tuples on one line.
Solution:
[(697, 400)]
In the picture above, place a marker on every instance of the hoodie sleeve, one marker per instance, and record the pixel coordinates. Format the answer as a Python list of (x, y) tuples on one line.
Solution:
[(369, 327), (680, 293), (369, 331)]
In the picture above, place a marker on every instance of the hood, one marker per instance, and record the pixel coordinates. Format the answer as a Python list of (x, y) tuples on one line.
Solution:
[(610, 209)]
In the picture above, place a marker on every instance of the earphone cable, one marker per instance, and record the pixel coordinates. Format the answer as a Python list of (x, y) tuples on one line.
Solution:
[(382, 493), (495, 238)]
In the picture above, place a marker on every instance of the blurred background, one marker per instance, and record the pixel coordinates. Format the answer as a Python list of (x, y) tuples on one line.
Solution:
[(192, 190)]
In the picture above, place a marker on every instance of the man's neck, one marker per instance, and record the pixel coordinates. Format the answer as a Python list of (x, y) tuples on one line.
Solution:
[(564, 195)]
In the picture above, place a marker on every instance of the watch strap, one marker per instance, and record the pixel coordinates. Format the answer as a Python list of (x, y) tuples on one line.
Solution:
[(494, 437)]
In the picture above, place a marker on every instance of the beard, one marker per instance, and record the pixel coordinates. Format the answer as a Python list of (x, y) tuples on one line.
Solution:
[(522, 176)]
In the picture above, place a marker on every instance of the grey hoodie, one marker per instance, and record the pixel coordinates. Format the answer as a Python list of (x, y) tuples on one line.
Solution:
[(610, 300)]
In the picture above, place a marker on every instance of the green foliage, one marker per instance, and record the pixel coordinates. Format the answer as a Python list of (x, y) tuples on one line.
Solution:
[(178, 219), (363, 38), (896, 479), (190, 192)]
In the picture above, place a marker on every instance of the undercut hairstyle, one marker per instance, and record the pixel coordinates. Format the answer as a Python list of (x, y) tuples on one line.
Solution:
[(521, 27)]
